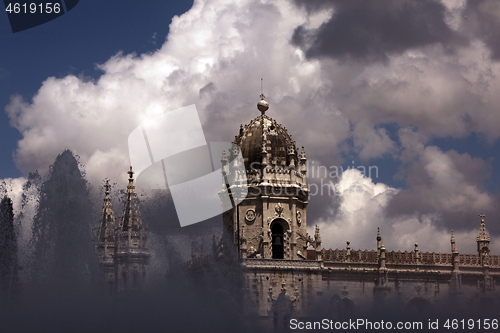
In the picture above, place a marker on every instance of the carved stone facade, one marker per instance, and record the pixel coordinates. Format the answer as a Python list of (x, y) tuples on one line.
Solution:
[(122, 246), (287, 271)]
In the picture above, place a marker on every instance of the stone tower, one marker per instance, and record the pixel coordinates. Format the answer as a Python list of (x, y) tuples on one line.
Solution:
[(122, 246), (270, 223)]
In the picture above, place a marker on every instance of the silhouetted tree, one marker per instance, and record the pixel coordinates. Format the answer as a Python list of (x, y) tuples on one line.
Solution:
[(62, 238), (9, 277)]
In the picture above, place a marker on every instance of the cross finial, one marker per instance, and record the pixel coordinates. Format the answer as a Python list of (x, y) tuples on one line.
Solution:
[(262, 96), (130, 174), (263, 106), (262, 89), (482, 216)]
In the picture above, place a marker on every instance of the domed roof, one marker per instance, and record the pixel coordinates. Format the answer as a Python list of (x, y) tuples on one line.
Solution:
[(264, 134)]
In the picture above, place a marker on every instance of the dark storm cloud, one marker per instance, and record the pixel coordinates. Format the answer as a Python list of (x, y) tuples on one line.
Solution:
[(481, 19), (450, 184), (314, 5), (373, 30)]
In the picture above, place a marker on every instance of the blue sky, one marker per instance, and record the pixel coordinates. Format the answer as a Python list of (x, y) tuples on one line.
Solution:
[(412, 89), (73, 44)]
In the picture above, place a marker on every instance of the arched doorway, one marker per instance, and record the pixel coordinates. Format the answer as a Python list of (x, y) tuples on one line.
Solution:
[(282, 311), (341, 308), (419, 306), (277, 240)]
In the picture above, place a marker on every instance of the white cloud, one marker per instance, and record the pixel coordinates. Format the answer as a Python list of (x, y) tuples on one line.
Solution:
[(215, 55), (225, 45), (228, 46), (24, 199), (362, 209), (13, 188), (360, 212)]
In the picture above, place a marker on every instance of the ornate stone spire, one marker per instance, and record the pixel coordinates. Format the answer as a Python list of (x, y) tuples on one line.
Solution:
[(379, 242), (223, 162), (417, 254), (131, 218), (455, 261), (381, 289), (483, 234), (131, 254), (348, 251), (106, 238), (483, 242), (303, 160), (107, 227), (107, 224), (317, 237), (382, 258), (454, 248)]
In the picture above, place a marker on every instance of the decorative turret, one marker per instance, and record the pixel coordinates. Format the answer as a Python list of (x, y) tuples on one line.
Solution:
[(381, 289), (483, 249), (122, 247), (348, 251), (303, 160), (417, 254), (269, 152), (131, 252), (106, 243), (270, 223), (131, 219), (454, 253), (455, 260), (379, 242), (454, 248), (382, 259), (483, 243), (317, 243)]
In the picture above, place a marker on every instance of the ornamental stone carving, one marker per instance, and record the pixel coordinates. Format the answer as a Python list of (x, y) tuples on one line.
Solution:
[(279, 210), (250, 215)]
